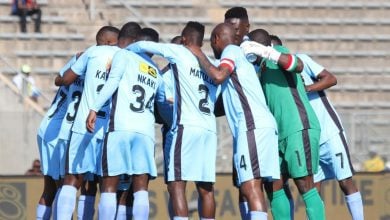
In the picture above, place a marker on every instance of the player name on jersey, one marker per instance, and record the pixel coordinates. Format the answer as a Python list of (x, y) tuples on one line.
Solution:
[(201, 75), (101, 74)]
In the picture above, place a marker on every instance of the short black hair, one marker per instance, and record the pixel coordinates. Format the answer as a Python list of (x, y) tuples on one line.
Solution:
[(176, 40), (261, 36), (105, 29), (276, 39), (130, 30), (236, 12), (148, 34), (195, 30)]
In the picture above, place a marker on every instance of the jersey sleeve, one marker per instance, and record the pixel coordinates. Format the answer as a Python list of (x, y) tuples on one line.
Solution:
[(118, 67), (162, 49), (80, 66), (228, 58), (67, 65), (310, 66)]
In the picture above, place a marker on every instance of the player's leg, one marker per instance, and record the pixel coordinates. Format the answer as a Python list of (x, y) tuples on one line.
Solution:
[(206, 198), (108, 202), (255, 158), (141, 196), (115, 161), (242, 202), (142, 146), (279, 199), (46, 200), (86, 201), (124, 196), (353, 198), (176, 190), (252, 190), (343, 171), (79, 160), (302, 155), (49, 160)]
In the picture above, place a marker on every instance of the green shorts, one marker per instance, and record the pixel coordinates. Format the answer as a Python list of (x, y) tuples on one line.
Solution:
[(299, 153)]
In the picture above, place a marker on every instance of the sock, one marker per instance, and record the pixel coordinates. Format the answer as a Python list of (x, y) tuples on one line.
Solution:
[(141, 205), (86, 207), (179, 218), (355, 205), (258, 215), (66, 202), (107, 206), (280, 205), (243, 209), (43, 212), (121, 213), (314, 206)]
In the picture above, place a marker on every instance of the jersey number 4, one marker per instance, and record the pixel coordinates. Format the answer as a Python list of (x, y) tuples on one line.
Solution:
[(140, 105)]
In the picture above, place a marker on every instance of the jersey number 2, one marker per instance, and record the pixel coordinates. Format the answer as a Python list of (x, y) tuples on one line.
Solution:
[(203, 103)]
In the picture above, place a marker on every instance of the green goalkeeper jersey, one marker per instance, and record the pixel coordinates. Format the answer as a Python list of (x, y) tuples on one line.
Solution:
[(287, 99)]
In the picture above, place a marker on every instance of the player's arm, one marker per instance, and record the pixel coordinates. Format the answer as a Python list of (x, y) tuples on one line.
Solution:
[(325, 80), (149, 47), (217, 74), (76, 67), (118, 68), (289, 62), (68, 78)]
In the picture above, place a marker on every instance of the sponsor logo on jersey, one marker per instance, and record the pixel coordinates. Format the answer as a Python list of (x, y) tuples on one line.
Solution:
[(147, 69)]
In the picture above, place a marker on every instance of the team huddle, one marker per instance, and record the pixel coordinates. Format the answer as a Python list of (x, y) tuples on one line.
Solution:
[(100, 126)]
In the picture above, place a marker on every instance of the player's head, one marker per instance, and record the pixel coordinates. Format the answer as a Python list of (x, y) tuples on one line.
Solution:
[(176, 40), (193, 34), (107, 35), (275, 40), (128, 34), (222, 35), (238, 17), (148, 34), (260, 36)]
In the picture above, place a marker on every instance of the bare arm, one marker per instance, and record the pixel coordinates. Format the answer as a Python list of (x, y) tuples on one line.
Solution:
[(68, 78), (284, 60), (325, 81), (217, 74)]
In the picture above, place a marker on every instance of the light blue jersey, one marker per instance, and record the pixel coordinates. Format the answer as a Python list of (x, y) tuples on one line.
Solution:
[(166, 98), (51, 123), (329, 120), (195, 92), (94, 64), (334, 158), (132, 83), (243, 97), (51, 149), (73, 102)]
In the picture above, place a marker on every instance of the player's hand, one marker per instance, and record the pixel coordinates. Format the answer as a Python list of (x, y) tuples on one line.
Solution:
[(58, 81), (266, 52), (91, 119)]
